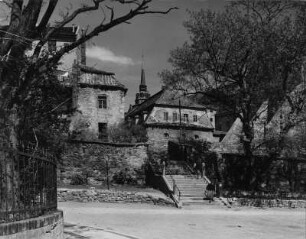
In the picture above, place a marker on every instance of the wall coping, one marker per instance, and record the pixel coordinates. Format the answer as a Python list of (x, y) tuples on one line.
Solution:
[(11, 228), (75, 141)]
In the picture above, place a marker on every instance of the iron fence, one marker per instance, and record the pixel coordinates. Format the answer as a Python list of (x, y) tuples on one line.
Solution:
[(28, 186)]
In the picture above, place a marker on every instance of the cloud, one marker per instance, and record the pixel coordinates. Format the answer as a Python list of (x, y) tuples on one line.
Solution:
[(106, 55)]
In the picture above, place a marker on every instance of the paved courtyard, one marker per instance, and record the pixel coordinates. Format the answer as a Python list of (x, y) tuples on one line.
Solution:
[(142, 221)]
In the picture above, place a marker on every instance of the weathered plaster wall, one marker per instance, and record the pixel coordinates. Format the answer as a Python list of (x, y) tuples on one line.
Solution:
[(83, 157), (205, 117), (91, 115), (44, 227)]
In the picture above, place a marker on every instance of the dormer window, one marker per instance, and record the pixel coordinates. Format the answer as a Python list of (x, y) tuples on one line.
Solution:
[(102, 102)]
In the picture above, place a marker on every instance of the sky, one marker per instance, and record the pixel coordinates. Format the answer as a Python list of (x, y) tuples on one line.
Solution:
[(120, 49)]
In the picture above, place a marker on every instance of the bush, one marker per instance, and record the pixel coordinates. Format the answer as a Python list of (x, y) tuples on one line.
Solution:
[(125, 176), (79, 179)]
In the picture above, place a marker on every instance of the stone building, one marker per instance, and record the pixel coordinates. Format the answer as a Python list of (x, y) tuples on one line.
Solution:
[(170, 116), (99, 99)]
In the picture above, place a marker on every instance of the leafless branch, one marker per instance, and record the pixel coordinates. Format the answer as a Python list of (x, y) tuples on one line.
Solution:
[(139, 10), (45, 19)]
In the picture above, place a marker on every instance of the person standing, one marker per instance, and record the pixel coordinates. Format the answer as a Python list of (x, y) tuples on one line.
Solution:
[(203, 169), (198, 168), (210, 190)]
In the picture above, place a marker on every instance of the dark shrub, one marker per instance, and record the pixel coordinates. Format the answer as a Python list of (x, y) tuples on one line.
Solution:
[(125, 176), (78, 179)]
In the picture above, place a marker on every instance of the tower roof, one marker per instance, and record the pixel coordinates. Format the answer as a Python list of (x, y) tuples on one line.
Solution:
[(143, 77), (96, 78)]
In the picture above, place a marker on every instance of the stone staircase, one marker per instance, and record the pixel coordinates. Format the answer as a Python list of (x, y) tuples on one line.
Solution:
[(191, 189)]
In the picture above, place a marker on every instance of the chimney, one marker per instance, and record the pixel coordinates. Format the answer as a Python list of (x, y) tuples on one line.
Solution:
[(81, 50)]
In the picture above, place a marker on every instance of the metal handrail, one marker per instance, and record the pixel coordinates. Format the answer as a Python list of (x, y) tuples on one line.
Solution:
[(175, 187)]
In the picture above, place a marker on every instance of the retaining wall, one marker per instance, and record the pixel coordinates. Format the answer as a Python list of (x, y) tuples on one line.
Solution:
[(92, 158), (249, 202), (45, 227), (112, 197)]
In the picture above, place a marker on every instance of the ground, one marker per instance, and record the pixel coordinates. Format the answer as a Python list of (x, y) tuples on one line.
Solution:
[(143, 221)]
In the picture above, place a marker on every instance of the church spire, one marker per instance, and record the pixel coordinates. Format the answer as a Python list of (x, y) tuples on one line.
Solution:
[(142, 86), (143, 77), (143, 92)]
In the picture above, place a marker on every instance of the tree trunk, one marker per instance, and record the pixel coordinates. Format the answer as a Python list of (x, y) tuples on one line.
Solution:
[(248, 153)]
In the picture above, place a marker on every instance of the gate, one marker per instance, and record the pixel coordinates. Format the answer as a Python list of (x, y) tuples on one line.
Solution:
[(28, 186)]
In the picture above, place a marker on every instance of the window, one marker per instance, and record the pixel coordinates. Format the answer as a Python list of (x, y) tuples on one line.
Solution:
[(195, 118), (166, 135), (102, 131), (102, 102), (166, 116), (185, 118), (211, 120), (196, 136), (174, 116)]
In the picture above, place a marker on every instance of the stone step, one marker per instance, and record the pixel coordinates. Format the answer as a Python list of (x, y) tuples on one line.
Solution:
[(194, 189), (191, 185), (198, 203), (187, 181), (191, 190), (201, 196), (191, 193)]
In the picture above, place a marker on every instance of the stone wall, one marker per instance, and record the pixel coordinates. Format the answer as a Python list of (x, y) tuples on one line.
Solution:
[(112, 197), (158, 138), (91, 160), (251, 202), (90, 114), (45, 227)]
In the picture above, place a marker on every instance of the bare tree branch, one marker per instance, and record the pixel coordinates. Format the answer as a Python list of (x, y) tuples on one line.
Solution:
[(45, 19), (105, 27)]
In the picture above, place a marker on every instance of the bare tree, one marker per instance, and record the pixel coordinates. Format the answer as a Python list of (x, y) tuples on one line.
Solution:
[(27, 79), (29, 21)]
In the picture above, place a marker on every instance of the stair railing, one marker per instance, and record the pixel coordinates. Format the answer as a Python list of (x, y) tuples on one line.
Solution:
[(206, 179), (176, 189)]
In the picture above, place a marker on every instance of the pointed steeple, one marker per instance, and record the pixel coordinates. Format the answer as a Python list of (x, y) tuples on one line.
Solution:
[(142, 86), (143, 92), (143, 77)]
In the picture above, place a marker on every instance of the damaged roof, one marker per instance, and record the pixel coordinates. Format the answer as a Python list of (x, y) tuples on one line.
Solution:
[(97, 78)]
